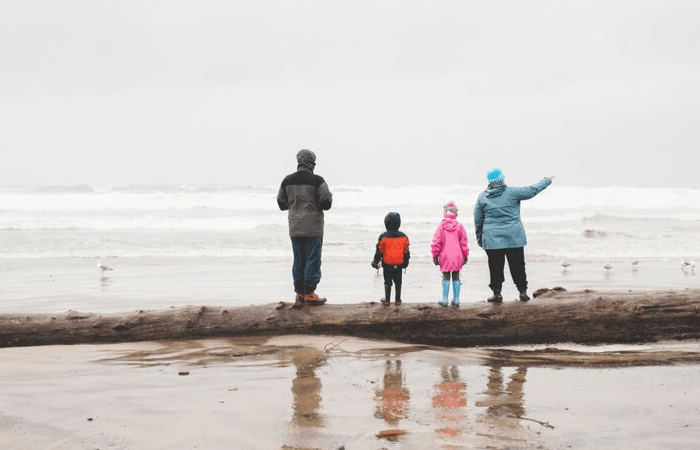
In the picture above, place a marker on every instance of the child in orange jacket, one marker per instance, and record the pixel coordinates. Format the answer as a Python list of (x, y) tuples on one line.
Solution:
[(392, 251)]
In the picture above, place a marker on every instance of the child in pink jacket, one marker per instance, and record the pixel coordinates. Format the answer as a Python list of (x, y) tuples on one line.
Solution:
[(450, 251)]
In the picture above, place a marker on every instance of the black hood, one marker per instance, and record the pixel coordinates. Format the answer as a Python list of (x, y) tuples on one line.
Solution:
[(306, 159), (392, 221)]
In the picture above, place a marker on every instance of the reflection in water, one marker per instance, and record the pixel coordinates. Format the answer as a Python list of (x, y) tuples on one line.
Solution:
[(105, 281), (450, 397), (392, 398), (504, 401), (306, 388)]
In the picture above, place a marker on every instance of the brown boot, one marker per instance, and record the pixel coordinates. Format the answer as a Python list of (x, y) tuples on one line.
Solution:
[(313, 299)]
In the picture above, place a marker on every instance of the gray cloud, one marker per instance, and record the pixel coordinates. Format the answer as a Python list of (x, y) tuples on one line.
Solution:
[(398, 92)]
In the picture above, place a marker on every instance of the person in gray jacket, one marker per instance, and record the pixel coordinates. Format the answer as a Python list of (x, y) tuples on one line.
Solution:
[(500, 231), (305, 195)]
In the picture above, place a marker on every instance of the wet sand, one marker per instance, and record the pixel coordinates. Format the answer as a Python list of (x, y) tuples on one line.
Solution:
[(62, 284), (301, 392), (327, 392)]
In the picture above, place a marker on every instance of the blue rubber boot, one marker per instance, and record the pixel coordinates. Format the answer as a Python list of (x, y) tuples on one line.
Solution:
[(445, 292), (456, 285)]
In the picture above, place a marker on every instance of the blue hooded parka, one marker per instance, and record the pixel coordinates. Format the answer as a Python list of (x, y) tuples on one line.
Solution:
[(497, 215)]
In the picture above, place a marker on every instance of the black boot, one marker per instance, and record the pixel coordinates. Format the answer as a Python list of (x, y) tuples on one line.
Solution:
[(523, 296), (496, 297), (387, 294), (398, 294)]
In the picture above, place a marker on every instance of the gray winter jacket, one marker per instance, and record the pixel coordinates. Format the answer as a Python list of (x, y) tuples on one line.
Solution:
[(497, 215), (306, 196)]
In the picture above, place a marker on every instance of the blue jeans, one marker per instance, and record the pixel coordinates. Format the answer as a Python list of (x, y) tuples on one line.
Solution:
[(306, 269)]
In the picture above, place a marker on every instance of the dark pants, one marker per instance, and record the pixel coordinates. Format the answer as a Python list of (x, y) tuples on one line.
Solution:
[(454, 275), (392, 274), (516, 264), (306, 269)]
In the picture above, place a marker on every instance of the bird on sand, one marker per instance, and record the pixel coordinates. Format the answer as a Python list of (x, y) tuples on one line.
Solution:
[(564, 264), (688, 266), (607, 267), (635, 263), (103, 267)]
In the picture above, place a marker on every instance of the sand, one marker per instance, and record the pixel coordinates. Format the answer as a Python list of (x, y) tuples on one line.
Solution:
[(62, 284), (330, 392)]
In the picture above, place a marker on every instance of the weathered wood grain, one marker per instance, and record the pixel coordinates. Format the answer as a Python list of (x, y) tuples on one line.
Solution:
[(583, 317)]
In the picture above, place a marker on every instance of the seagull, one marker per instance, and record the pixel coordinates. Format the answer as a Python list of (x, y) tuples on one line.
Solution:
[(103, 267), (607, 266), (635, 263), (688, 266), (564, 264)]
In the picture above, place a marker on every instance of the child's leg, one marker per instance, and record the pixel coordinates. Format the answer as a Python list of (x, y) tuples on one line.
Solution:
[(398, 281), (456, 287), (445, 288), (388, 276)]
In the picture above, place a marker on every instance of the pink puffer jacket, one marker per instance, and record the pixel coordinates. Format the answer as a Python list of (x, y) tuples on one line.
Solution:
[(450, 243)]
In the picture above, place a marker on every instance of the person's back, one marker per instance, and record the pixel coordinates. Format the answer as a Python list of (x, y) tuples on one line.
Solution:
[(500, 231), (394, 254), (450, 251), (305, 195), (497, 215)]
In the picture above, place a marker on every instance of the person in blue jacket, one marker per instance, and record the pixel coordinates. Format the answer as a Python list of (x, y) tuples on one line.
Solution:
[(500, 231)]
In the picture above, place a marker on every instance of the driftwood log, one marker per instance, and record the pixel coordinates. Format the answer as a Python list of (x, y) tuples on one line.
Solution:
[(586, 317)]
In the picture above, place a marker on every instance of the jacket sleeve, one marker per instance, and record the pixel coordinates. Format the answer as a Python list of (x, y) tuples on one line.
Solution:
[(325, 198), (282, 200), (378, 251), (527, 192), (464, 242), (406, 254), (436, 246), (479, 222)]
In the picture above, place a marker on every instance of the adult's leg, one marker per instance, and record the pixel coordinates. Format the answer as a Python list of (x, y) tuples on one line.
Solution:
[(312, 266), (516, 264), (299, 264), (497, 261)]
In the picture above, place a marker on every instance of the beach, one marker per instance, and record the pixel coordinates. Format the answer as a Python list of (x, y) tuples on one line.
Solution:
[(332, 392), (60, 284), (228, 247)]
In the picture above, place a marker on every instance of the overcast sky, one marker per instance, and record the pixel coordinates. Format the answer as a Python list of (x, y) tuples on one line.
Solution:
[(385, 92)]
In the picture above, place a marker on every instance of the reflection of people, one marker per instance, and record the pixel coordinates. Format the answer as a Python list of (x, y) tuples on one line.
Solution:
[(504, 401), (500, 231), (306, 196), (449, 397), (449, 249), (306, 388), (393, 252), (393, 397)]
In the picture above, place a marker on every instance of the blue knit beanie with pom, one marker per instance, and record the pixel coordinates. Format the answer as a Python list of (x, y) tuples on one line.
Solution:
[(495, 175)]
